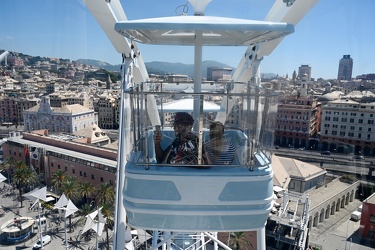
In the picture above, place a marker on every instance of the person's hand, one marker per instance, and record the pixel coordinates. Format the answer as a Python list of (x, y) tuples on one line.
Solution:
[(157, 137)]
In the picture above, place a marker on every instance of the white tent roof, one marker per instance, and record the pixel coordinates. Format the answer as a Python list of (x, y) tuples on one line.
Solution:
[(63, 201), (2, 178), (188, 105), (40, 194)]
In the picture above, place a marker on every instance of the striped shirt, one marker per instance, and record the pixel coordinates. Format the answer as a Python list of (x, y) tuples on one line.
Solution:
[(226, 155)]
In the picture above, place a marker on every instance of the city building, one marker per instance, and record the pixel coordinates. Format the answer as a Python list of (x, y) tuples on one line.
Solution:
[(367, 227), (304, 72), (345, 68), (63, 98), (347, 126), (108, 111), (74, 154), (298, 119), (69, 118)]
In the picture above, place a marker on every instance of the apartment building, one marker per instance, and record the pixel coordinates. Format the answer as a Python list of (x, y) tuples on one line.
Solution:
[(297, 123), (347, 126), (63, 98), (108, 111)]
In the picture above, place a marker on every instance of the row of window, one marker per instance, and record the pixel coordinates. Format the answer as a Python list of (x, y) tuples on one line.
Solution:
[(343, 133), (81, 173), (327, 125), (83, 162), (292, 128), (351, 120), (346, 113)]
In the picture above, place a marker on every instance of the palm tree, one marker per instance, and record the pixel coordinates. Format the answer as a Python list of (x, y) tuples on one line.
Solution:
[(85, 210), (70, 188), (106, 194), (86, 190), (24, 176), (107, 212), (8, 165), (238, 241), (58, 178)]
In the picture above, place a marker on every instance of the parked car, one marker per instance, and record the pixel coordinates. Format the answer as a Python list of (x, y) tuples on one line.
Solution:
[(325, 153), (357, 158), (356, 216), (46, 240)]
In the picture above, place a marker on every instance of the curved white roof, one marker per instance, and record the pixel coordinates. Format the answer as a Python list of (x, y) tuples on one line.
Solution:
[(182, 30), (188, 106)]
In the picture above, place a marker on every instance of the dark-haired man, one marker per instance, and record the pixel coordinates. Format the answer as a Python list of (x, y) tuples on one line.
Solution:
[(184, 148)]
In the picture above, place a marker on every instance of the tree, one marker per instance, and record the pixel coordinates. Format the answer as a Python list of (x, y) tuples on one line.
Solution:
[(106, 194), (107, 212), (70, 188), (58, 178), (24, 176), (7, 166), (86, 190), (238, 241)]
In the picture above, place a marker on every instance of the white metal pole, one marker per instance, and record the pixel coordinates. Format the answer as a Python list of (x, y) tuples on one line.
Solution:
[(197, 75), (40, 225), (66, 240), (261, 238), (97, 230)]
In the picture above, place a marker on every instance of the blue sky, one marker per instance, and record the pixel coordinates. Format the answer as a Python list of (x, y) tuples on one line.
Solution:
[(67, 29)]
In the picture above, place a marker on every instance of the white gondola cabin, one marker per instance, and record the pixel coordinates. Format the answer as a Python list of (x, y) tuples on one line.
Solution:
[(192, 198)]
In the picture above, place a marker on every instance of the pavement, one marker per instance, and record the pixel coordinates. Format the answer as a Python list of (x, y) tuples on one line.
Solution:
[(10, 209), (339, 232)]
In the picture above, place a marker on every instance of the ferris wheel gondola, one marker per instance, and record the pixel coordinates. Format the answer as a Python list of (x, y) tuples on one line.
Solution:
[(196, 198)]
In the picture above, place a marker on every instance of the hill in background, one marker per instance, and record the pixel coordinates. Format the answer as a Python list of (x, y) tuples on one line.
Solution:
[(164, 68)]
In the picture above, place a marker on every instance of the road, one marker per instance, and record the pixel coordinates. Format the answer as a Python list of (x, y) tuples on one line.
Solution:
[(335, 162)]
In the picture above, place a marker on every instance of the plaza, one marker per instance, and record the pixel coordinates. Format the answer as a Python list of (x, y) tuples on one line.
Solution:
[(54, 226)]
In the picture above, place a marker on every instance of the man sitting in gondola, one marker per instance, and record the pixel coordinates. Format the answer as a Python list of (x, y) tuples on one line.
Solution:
[(184, 148)]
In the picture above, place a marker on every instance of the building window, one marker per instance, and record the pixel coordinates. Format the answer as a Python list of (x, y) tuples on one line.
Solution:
[(101, 179), (51, 165), (84, 174), (92, 177), (80, 173), (372, 218), (58, 166), (73, 171)]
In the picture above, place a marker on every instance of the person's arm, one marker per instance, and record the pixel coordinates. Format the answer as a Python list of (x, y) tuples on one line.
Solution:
[(158, 150)]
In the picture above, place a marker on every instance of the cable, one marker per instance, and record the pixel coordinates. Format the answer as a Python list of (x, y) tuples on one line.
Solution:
[(185, 9)]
